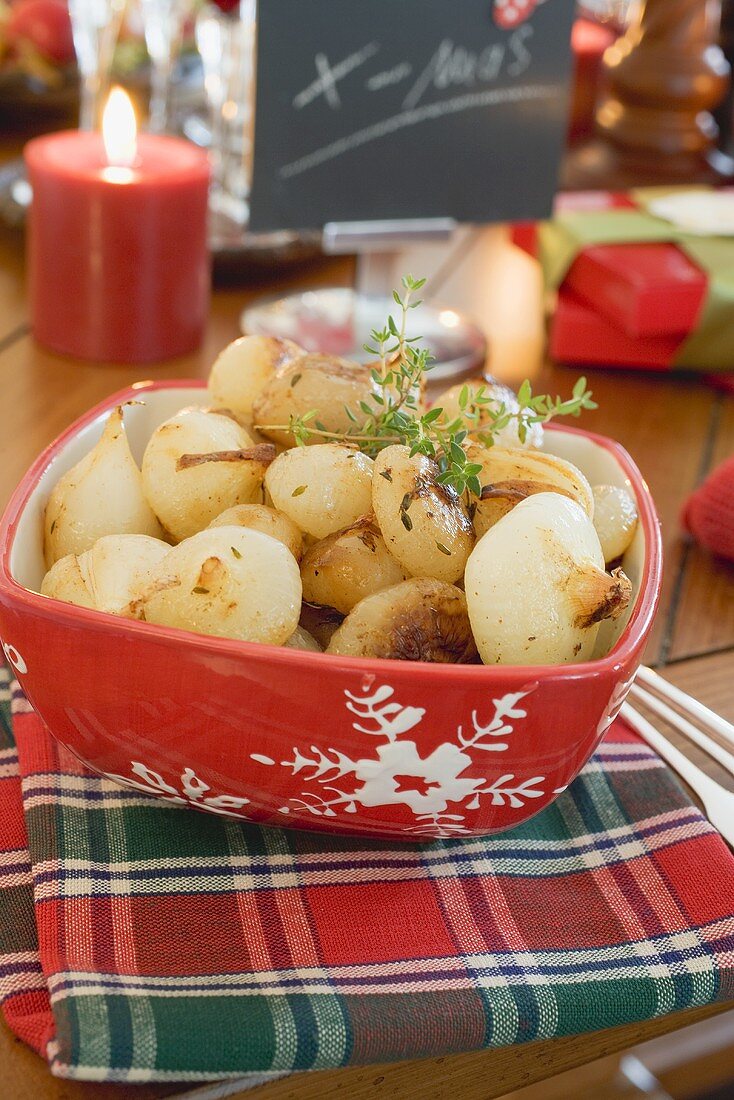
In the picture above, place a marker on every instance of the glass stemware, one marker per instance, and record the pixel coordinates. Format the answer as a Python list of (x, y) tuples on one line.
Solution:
[(226, 43), (163, 22), (617, 12), (95, 26)]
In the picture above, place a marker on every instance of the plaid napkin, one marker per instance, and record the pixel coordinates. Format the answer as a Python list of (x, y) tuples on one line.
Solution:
[(143, 941)]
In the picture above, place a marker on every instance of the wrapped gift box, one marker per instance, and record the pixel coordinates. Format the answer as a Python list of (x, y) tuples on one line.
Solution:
[(634, 290), (579, 334), (525, 234), (643, 289)]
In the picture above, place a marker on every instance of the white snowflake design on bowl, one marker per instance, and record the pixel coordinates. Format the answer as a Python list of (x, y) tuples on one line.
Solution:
[(614, 706), (434, 787), (14, 658), (192, 793)]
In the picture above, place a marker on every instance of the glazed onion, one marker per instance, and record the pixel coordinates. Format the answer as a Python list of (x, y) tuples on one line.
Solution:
[(343, 568), (511, 475), (64, 581), (615, 519), (118, 569), (417, 620), (322, 488), (245, 367), (101, 495), (313, 382), (423, 522), (301, 639), (229, 581), (196, 465), (110, 577), (270, 521), (536, 587)]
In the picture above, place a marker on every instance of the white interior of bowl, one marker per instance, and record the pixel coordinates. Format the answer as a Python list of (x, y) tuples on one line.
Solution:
[(26, 558)]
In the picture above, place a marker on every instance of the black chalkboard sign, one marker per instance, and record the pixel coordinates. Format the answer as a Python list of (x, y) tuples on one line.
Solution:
[(373, 109)]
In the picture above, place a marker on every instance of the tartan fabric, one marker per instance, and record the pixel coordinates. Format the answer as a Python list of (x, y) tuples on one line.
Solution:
[(168, 944)]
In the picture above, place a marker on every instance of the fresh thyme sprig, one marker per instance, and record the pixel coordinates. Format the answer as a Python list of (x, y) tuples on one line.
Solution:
[(392, 415), (480, 405), (398, 381)]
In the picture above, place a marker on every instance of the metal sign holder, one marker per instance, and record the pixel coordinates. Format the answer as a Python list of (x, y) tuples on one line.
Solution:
[(339, 321)]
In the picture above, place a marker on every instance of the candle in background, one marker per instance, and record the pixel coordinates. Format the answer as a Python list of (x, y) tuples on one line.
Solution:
[(117, 247), (588, 42), (501, 288)]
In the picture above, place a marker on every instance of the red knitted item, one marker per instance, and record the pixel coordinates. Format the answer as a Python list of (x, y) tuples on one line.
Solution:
[(709, 512)]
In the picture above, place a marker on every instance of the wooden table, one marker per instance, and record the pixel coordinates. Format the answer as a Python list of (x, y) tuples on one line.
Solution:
[(676, 429)]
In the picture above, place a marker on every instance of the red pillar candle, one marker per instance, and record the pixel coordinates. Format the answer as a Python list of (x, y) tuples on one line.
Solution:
[(117, 246)]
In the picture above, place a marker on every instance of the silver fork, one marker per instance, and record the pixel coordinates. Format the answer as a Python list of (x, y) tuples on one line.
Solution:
[(717, 801)]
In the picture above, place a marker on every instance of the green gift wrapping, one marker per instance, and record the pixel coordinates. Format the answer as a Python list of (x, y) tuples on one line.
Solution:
[(710, 346)]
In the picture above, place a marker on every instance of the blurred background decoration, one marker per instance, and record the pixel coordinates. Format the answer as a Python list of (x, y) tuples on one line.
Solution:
[(190, 66), (151, 41)]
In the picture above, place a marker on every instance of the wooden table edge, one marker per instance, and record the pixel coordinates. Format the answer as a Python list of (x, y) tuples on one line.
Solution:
[(502, 1069)]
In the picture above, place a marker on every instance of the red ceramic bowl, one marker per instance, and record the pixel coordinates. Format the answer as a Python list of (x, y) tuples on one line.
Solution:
[(286, 737)]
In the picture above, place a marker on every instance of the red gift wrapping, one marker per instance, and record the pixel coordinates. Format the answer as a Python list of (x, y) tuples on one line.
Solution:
[(644, 289), (580, 335)]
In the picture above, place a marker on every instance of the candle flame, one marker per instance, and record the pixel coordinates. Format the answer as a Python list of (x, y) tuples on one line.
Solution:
[(119, 129)]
